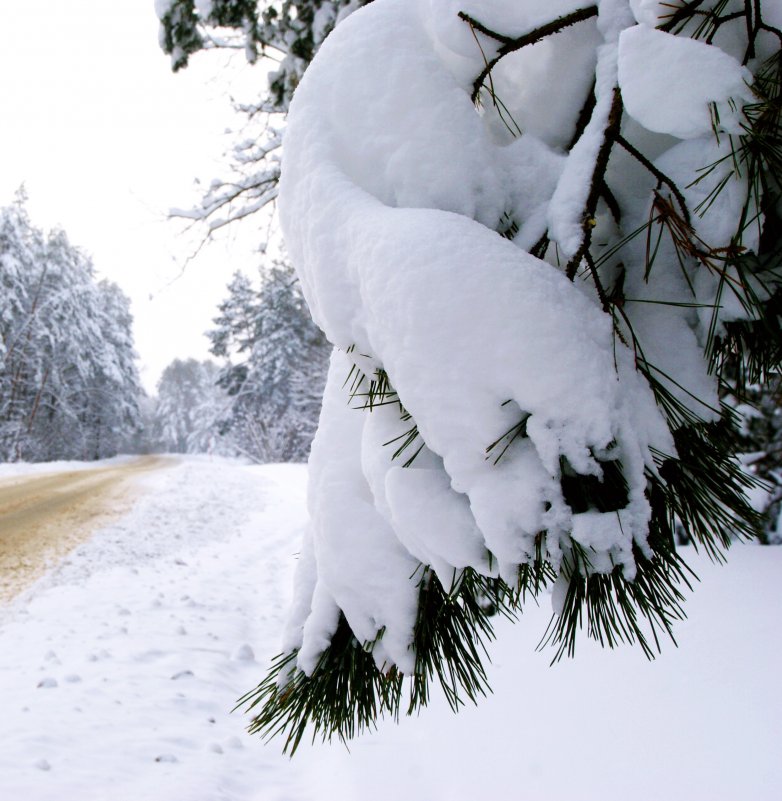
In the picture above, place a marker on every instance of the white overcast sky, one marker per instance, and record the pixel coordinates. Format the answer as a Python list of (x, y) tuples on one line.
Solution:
[(106, 139)]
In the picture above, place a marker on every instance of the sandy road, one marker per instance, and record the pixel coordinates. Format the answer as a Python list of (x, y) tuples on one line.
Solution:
[(43, 517)]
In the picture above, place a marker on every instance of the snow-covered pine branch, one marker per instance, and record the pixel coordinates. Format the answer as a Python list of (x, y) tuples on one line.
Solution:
[(547, 299)]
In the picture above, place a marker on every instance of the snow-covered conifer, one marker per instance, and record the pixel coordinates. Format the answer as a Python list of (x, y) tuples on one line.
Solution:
[(188, 408), (276, 369), (69, 387)]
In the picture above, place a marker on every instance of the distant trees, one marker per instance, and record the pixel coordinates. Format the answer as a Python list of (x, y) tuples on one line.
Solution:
[(263, 402), (277, 359), (189, 404), (276, 356), (69, 387)]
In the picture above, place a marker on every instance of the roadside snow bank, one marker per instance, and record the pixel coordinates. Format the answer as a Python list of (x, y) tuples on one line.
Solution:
[(119, 670)]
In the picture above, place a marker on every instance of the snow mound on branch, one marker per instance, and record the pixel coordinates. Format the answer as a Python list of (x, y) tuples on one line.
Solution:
[(680, 86), (391, 193), (651, 12)]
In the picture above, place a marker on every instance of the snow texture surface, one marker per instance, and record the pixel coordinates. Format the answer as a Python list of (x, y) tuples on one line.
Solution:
[(669, 84), (119, 670)]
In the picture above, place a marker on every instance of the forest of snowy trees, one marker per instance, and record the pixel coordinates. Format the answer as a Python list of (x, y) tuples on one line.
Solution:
[(276, 366), (69, 386), (69, 382)]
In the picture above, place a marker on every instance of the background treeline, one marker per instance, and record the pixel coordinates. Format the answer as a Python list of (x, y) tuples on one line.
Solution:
[(69, 387), (263, 402), (69, 384)]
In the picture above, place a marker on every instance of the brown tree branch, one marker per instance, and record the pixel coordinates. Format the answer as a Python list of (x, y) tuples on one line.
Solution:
[(598, 182), (658, 174), (473, 23)]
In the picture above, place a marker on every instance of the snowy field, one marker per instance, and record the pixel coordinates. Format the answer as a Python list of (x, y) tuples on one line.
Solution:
[(119, 670)]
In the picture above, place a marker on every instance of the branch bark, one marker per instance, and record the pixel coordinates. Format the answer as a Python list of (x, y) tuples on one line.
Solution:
[(510, 45), (598, 180)]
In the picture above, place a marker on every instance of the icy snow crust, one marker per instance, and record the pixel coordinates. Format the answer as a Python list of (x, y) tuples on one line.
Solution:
[(392, 191)]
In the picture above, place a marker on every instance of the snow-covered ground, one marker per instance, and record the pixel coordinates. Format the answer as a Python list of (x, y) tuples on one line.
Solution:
[(119, 670)]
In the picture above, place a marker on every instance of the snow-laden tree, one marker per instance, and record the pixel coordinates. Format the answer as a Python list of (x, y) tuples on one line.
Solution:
[(288, 32), (21, 259), (69, 387), (544, 240), (115, 392), (188, 408), (277, 360)]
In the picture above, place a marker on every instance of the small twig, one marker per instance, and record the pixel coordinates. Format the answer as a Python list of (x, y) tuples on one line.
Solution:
[(685, 12), (752, 31), (601, 293), (473, 23), (764, 26), (720, 21), (658, 174), (610, 200), (760, 25)]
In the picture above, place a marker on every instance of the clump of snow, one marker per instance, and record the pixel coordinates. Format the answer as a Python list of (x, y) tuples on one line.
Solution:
[(679, 86), (162, 7)]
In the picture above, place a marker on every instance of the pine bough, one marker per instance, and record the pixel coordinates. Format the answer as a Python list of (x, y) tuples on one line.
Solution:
[(544, 240)]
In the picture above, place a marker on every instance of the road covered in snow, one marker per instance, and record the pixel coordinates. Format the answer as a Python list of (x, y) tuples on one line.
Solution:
[(120, 666)]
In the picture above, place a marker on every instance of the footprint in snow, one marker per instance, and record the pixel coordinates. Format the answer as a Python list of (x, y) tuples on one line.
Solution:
[(183, 674), (244, 653)]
